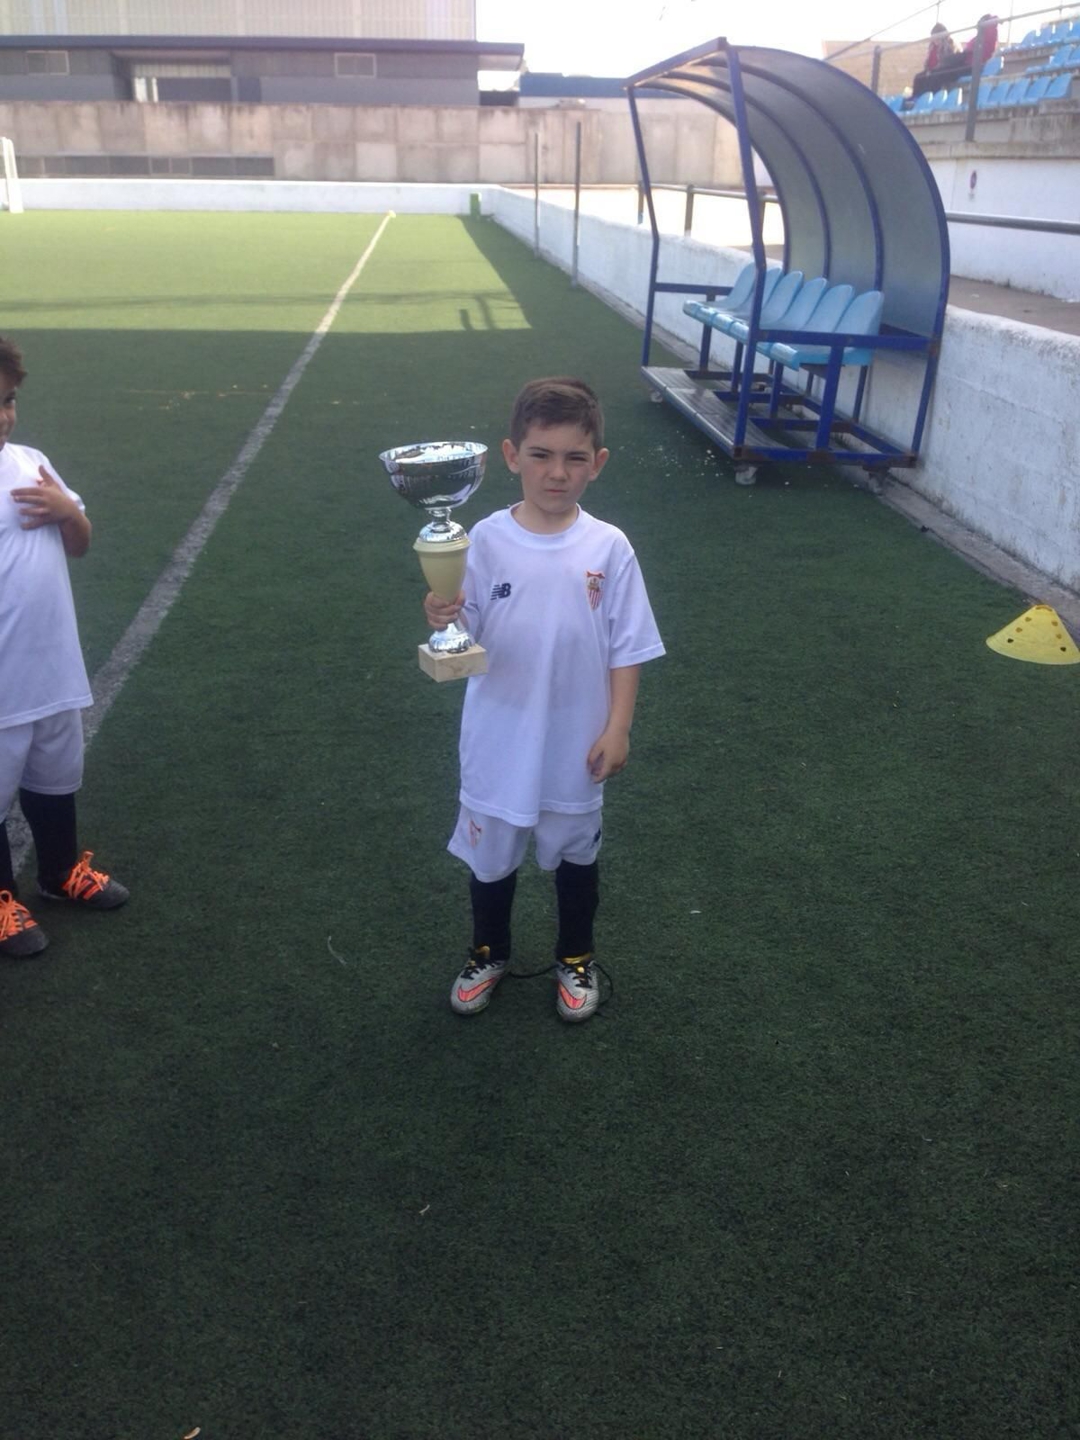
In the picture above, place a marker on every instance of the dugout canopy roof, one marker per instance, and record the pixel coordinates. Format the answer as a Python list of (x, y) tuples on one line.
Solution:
[(859, 201)]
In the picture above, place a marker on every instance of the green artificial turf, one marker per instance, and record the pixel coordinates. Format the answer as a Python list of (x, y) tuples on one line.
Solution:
[(811, 1173)]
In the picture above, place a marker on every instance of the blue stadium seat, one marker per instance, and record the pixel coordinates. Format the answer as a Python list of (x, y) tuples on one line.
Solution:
[(825, 317), (794, 315), (1059, 87), (939, 100), (1036, 90), (738, 301), (1014, 95), (861, 317), (992, 66), (780, 289), (923, 103), (955, 100), (797, 316)]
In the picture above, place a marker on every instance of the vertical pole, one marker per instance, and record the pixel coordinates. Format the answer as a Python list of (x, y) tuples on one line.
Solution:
[(688, 218), (640, 203), (577, 204), (645, 192), (976, 76), (9, 178), (536, 192), (754, 208), (875, 71)]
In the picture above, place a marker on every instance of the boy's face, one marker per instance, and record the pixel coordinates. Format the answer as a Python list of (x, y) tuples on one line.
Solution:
[(8, 392), (556, 463)]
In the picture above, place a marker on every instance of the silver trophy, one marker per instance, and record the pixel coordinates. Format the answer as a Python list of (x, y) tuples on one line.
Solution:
[(437, 476)]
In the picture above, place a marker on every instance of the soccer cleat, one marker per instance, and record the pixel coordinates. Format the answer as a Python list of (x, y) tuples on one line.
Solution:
[(20, 934), (473, 988), (91, 888), (576, 992)]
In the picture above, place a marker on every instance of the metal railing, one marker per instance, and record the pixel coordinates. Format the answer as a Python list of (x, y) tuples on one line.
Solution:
[(1001, 222)]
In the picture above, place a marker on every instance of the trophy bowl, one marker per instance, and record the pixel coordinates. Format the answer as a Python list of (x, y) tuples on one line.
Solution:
[(436, 476)]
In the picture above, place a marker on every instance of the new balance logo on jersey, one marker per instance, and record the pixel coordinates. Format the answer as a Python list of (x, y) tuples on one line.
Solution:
[(500, 592)]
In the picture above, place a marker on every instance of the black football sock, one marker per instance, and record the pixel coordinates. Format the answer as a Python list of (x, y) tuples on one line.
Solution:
[(7, 874), (52, 823), (577, 889), (492, 901)]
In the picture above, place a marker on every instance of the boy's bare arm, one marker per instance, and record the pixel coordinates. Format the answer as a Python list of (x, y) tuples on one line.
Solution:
[(610, 753), (48, 503)]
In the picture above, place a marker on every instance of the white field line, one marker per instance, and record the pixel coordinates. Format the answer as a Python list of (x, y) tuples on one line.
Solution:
[(113, 675)]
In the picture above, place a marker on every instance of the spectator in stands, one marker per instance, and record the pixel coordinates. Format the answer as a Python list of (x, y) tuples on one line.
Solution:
[(983, 43), (941, 53), (946, 66)]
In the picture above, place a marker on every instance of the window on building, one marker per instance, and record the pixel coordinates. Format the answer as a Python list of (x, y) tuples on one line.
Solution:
[(47, 62), (352, 63)]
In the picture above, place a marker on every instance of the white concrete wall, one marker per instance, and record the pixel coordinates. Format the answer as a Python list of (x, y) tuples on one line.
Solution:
[(1001, 452), (1031, 188), (309, 195)]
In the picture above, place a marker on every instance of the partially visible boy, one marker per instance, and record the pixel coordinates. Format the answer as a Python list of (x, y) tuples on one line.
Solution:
[(557, 600), (43, 683)]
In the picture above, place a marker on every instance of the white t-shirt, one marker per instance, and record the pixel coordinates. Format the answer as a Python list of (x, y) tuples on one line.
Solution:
[(41, 664), (556, 613)]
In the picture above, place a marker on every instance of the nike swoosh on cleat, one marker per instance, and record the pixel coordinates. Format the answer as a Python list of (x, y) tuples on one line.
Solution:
[(465, 996), (574, 1002)]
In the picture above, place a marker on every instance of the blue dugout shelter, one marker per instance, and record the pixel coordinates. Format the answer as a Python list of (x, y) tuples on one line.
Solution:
[(865, 268)]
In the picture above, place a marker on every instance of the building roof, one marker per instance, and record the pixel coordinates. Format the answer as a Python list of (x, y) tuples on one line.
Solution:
[(491, 55)]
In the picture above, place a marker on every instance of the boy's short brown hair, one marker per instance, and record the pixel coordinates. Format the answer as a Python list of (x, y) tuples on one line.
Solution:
[(557, 400), (11, 362)]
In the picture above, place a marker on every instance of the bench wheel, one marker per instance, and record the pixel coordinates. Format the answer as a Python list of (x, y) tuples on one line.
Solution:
[(745, 474)]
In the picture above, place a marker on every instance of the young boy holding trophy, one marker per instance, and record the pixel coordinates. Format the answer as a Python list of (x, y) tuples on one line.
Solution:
[(556, 599)]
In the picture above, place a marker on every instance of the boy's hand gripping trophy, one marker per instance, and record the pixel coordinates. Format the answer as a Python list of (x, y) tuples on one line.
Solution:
[(437, 476)]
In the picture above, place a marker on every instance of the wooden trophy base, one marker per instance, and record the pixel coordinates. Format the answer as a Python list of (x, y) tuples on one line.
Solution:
[(452, 667)]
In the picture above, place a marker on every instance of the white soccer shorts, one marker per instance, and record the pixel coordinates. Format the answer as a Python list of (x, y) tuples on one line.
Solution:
[(43, 755), (494, 848)]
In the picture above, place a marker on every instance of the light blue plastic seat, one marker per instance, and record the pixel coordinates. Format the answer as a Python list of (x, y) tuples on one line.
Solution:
[(1014, 95), (795, 317), (704, 310), (1074, 30), (985, 87), (998, 90), (1030, 39), (719, 313), (699, 310), (726, 312), (741, 293), (1036, 90), (922, 103), (940, 100), (955, 100), (1059, 87), (772, 307), (862, 316), (992, 66), (824, 318)]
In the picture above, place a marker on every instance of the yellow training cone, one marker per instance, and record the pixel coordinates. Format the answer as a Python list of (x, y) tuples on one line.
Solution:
[(1037, 635)]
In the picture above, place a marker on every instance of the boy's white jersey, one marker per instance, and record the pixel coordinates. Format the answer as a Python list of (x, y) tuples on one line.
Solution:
[(41, 663), (556, 613)]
